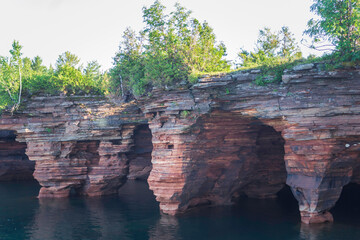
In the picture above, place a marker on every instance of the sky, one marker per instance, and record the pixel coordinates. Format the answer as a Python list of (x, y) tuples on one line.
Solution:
[(92, 29)]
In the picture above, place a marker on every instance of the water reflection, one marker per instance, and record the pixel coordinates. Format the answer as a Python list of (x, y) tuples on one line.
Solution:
[(127, 216), (18, 205), (76, 219), (61, 219), (105, 220), (314, 231), (166, 228), (134, 214)]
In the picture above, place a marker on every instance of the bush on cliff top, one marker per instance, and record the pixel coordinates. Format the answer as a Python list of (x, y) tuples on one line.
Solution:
[(274, 52), (170, 49), (25, 77), (336, 29)]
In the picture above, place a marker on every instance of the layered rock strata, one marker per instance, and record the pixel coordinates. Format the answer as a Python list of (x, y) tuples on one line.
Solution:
[(79, 144), (221, 139), (226, 136)]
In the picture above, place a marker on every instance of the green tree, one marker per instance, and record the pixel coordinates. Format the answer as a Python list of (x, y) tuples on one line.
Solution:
[(338, 23), (167, 51), (70, 78), (11, 77), (27, 71), (37, 78), (22, 77), (92, 71), (164, 63), (93, 74), (288, 45), (271, 48), (128, 72), (67, 58), (204, 54), (268, 42), (36, 65)]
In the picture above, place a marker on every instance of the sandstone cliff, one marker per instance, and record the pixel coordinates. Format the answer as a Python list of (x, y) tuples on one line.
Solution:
[(221, 139), (226, 136), (79, 144)]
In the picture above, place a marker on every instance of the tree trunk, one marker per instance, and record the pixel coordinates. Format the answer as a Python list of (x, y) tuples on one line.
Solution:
[(20, 88), (121, 86)]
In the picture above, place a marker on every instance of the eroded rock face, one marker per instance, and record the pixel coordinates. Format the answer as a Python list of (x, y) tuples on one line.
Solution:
[(232, 156), (201, 134), (223, 138), (79, 144)]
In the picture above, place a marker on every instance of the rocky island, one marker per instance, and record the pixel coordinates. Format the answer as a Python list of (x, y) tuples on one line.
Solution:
[(208, 144)]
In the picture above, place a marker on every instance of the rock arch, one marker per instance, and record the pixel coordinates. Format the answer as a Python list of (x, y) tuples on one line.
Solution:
[(220, 157), (92, 167)]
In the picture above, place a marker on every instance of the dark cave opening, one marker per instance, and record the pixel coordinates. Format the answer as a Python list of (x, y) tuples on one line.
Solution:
[(14, 163), (266, 195), (140, 155), (233, 157), (282, 208), (347, 208), (269, 169)]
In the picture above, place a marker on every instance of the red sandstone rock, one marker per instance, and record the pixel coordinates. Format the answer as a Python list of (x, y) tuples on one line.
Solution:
[(317, 114), (79, 144), (211, 143), (309, 218)]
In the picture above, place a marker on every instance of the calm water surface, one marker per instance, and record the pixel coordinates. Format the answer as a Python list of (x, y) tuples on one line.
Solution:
[(134, 214)]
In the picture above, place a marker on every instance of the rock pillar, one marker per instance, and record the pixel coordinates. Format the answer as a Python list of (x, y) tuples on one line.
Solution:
[(317, 171)]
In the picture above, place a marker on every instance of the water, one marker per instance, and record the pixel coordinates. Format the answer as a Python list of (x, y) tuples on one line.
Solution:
[(134, 214)]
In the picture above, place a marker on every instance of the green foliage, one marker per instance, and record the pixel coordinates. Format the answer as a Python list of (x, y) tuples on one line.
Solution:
[(185, 114), (39, 82), (260, 80), (23, 76), (275, 51), (129, 65), (339, 24), (169, 50), (272, 49), (48, 130), (67, 78), (288, 45), (36, 65), (10, 77), (67, 59)]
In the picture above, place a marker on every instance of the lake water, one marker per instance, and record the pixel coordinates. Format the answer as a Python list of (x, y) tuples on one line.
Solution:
[(134, 214)]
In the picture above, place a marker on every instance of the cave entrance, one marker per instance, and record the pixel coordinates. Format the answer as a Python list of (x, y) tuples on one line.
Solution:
[(14, 163), (234, 157), (140, 155), (268, 172), (136, 189), (347, 208)]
